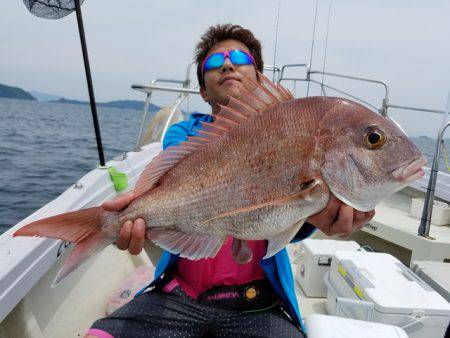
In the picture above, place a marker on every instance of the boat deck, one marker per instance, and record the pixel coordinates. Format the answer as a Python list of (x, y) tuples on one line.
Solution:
[(394, 223)]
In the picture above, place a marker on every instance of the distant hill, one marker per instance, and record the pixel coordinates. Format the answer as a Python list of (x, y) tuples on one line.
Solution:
[(44, 96), (123, 104), (15, 93), (18, 93)]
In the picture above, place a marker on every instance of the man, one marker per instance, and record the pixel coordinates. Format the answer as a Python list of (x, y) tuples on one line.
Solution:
[(217, 296)]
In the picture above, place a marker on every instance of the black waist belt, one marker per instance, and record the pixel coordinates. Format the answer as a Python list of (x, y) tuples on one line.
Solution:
[(255, 296)]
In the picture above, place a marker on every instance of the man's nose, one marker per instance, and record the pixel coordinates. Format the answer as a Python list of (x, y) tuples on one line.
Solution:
[(227, 66)]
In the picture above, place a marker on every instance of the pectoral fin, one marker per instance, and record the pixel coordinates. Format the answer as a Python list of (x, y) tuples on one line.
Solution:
[(240, 251), (304, 194), (192, 246), (279, 241)]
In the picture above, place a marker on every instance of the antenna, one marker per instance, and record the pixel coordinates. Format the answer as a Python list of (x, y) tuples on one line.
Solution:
[(276, 42), (322, 91), (312, 44)]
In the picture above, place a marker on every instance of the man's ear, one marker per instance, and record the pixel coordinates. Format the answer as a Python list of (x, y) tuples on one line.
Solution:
[(203, 94)]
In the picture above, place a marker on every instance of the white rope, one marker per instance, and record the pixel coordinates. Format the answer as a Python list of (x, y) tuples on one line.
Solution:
[(312, 43), (276, 41), (326, 47)]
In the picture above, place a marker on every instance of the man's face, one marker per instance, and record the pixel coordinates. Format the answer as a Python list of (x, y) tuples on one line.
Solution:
[(228, 80)]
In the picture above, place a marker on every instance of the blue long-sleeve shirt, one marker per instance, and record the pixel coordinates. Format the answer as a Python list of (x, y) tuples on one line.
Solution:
[(277, 268)]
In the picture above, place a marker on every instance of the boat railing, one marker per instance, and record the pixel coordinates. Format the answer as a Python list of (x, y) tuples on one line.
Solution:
[(183, 92), (275, 71), (382, 108), (308, 78)]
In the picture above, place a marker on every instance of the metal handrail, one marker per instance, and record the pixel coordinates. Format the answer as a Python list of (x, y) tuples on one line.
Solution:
[(149, 90), (146, 105), (425, 222), (436, 111), (385, 103), (274, 70), (188, 80), (293, 65), (323, 85), (382, 110), (271, 67), (294, 80)]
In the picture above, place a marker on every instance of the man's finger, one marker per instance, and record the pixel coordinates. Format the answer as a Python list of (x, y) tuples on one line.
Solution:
[(370, 214), (367, 216), (332, 208), (358, 215), (124, 236), (119, 202), (137, 237), (344, 223)]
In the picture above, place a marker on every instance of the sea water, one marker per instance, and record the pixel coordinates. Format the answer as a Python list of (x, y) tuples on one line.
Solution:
[(46, 147)]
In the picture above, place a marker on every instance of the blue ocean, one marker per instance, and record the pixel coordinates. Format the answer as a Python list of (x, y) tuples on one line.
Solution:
[(45, 147)]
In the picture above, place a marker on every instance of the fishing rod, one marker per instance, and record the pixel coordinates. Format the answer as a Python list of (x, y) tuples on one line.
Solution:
[(57, 9), (427, 212)]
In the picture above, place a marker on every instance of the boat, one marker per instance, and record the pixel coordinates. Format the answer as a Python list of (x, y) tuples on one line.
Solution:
[(31, 308)]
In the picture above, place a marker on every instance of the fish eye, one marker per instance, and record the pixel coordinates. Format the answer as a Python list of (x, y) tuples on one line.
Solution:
[(374, 138)]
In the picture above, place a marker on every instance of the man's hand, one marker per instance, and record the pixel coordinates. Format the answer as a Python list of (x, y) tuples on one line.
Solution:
[(340, 219), (132, 234)]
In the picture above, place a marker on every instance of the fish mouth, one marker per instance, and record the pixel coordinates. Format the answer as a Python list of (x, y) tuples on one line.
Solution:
[(411, 172)]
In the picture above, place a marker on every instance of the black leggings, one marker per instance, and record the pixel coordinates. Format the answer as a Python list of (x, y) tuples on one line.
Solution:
[(160, 314)]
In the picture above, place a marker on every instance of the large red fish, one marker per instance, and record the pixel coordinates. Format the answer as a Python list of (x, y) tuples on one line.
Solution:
[(265, 164)]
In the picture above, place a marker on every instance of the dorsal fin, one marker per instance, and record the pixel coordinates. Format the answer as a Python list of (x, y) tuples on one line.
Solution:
[(241, 107), (252, 99), (287, 94), (261, 96), (229, 113), (262, 92), (214, 127), (281, 93)]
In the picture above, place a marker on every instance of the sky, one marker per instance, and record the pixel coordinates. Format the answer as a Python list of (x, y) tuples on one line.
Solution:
[(404, 43)]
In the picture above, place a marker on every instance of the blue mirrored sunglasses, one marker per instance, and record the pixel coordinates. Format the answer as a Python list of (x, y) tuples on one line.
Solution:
[(236, 57)]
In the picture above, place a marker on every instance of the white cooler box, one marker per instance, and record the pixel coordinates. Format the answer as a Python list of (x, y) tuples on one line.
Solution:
[(322, 326), (378, 287), (314, 260)]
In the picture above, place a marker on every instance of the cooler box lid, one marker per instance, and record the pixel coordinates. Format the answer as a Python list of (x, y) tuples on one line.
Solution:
[(384, 280), (322, 326), (328, 246), (436, 274)]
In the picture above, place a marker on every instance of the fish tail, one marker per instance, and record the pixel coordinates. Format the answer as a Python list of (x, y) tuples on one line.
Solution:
[(96, 242), (72, 227), (84, 227)]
